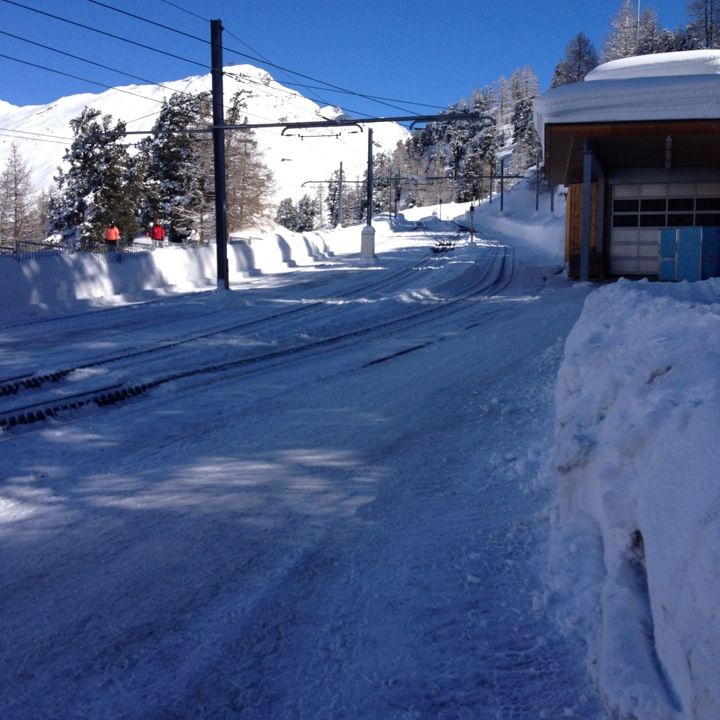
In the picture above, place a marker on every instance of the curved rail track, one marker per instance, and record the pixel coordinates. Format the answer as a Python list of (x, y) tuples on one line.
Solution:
[(42, 396)]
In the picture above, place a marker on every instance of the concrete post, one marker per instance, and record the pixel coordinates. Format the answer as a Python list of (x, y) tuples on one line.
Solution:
[(367, 242)]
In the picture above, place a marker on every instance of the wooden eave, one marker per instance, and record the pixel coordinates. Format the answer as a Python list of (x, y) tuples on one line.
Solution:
[(637, 144)]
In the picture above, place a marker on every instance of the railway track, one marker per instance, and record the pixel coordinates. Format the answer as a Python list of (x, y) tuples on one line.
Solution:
[(28, 399)]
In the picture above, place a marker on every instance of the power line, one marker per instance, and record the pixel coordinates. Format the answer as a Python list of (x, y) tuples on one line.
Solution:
[(185, 10), (76, 77), (4, 133), (147, 20), (106, 34), (241, 54), (90, 62), (377, 99), (29, 132), (338, 123), (76, 57)]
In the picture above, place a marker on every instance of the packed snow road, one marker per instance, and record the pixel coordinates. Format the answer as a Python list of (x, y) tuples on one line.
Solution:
[(321, 507)]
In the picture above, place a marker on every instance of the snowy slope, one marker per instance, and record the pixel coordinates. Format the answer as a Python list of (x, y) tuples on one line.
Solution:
[(45, 129)]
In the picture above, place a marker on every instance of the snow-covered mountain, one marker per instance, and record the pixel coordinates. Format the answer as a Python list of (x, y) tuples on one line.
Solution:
[(43, 131)]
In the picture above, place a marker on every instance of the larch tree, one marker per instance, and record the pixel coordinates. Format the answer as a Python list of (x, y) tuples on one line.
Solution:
[(249, 181), (17, 203), (704, 16), (623, 39), (580, 58), (651, 38)]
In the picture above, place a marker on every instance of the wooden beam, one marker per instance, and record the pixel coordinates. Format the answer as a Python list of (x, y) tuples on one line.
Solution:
[(587, 202)]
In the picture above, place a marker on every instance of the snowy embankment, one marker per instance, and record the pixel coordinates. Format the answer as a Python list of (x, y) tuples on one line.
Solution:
[(636, 462), (50, 283)]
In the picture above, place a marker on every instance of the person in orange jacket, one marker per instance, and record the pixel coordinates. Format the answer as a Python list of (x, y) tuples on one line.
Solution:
[(157, 234), (112, 236)]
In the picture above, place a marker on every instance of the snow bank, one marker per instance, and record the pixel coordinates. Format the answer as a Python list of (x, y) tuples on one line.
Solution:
[(636, 565), (690, 62), (667, 86), (53, 283), (534, 234)]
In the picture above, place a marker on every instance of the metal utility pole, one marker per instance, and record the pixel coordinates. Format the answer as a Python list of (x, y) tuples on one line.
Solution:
[(218, 134), (340, 194), (502, 183), (367, 235), (370, 178)]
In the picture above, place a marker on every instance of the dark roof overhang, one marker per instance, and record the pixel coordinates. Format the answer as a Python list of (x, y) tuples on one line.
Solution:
[(624, 145)]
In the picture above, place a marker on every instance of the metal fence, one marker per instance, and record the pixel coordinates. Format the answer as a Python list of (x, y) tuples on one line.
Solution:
[(26, 250)]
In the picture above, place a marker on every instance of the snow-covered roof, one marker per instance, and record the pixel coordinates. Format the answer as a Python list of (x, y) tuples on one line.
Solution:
[(665, 86)]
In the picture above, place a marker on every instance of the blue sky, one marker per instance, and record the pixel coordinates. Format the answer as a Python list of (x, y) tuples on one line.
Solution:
[(430, 53)]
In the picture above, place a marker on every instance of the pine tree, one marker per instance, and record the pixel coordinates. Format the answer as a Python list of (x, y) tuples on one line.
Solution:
[(320, 217), (17, 222), (95, 189), (287, 214), (383, 173), (178, 166), (342, 210), (333, 197), (678, 40), (525, 136), (306, 212), (580, 58), (354, 202)]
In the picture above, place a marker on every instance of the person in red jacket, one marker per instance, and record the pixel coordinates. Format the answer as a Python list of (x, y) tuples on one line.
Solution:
[(157, 234), (112, 236)]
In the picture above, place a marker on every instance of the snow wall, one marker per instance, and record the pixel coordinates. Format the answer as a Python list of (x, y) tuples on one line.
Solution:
[(49, 283), (636, 461)]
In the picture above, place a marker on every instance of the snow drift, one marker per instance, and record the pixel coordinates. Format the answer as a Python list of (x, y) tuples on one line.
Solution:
[(53, 283), (669, 86), (636, 458)]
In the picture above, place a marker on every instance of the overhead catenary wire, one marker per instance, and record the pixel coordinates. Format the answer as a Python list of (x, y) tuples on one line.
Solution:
[(57, 17), (251, 48), (92, 29), (330, 86), (12, 134), (185, 10), (77, 77), (90, 62), (105, 34), (240, 40), (39, 134)]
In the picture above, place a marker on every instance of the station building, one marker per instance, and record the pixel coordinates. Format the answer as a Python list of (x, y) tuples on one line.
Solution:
[(637, 145)]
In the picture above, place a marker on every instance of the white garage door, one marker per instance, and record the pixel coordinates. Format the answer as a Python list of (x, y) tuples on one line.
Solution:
[(639, 211)]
